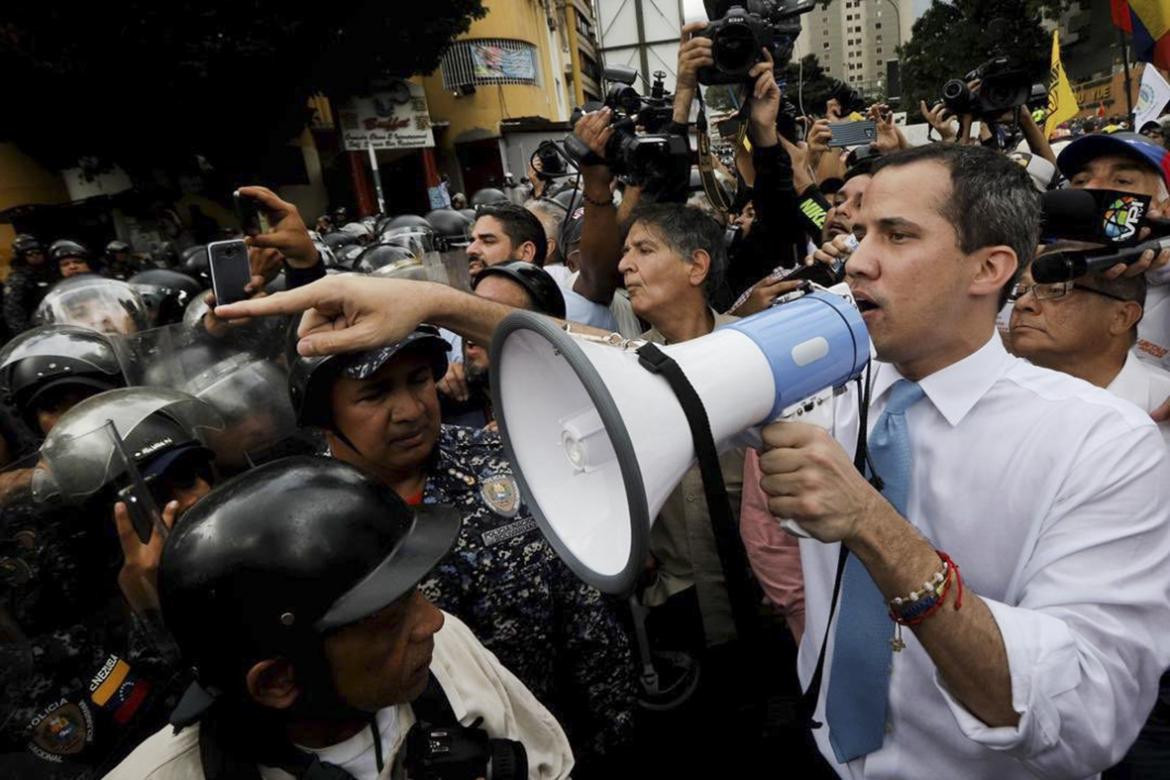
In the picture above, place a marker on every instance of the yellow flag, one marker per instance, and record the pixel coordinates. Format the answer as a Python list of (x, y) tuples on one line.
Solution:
[(1062, 103)]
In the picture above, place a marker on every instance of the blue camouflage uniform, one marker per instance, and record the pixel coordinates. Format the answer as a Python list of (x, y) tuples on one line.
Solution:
[(561, 637)]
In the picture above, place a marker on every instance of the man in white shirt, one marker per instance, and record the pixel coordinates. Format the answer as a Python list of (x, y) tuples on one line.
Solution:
[(1052, 498), (1087, 328), (293, 594)]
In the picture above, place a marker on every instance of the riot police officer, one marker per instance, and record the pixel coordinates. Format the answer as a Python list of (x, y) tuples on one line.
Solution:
[(99, 673), (292, 592), (31, 277)]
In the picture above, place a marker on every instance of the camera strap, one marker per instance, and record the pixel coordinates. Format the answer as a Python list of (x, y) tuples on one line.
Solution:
[(740, 590), (808, 700), (715, 193)]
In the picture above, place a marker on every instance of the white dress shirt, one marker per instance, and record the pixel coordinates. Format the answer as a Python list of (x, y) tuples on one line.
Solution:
[(1145, 385), (1053, 497)]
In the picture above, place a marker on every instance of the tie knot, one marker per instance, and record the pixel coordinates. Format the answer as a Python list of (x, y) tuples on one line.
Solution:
[(903, 395)]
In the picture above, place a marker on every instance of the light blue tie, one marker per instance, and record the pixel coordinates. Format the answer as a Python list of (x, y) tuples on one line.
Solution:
[(859, 678)]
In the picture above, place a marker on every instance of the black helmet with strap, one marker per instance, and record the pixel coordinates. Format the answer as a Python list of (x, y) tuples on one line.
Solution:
[(52, 356), (546, 295), (268, 562), (311, 379)]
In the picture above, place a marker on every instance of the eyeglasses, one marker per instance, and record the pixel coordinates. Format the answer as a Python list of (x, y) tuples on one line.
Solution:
[(1055, 291)]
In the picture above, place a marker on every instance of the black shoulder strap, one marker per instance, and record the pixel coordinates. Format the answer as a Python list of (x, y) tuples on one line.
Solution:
[(432, 706), (808, 700), (732, 556)]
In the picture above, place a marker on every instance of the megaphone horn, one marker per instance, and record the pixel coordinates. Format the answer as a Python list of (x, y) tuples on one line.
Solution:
[(598, 442)]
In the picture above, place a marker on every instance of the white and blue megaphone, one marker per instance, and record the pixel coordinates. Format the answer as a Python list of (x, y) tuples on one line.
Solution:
[(598, 442)]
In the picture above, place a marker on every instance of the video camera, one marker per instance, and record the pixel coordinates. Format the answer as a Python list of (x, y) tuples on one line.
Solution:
[(1006, 84), (740, 29), (638, 158)]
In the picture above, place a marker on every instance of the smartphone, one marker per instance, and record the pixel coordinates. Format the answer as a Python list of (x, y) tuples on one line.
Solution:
[(863, 131), (230, 270), (252, 219)]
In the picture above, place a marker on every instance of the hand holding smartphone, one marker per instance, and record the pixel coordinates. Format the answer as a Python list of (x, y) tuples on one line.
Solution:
[(230, 270)]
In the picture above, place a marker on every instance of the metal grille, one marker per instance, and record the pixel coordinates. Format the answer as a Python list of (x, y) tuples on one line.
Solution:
[(489, 61)]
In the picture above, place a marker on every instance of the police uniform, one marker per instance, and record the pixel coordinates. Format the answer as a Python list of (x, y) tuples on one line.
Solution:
[(554, 632), (83, 683)]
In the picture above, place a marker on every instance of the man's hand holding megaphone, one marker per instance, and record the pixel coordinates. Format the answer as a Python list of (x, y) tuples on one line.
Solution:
[(809, 478)]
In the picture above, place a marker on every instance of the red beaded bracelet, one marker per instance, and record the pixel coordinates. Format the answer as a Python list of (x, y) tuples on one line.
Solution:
[(952, 575)]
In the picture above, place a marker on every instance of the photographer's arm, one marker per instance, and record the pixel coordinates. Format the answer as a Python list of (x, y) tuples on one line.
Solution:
[(601, 248), (1034, 135), (693, 53)]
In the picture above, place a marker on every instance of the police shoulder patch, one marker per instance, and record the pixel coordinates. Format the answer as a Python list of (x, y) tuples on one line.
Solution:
[(62, 729), (502, 494)]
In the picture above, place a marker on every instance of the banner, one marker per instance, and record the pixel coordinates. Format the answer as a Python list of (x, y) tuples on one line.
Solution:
[(496, 62), (1062, 103), (396, 118), (1152, 97)]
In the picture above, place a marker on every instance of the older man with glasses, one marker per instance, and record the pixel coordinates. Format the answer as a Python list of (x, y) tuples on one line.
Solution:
[(1087, 328)]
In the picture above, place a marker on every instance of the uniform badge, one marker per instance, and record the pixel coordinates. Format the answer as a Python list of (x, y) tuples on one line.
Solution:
[(62, 730), (502, 494)]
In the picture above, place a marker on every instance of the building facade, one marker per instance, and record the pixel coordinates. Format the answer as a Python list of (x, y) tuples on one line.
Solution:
[(855, 40), (510, 82)]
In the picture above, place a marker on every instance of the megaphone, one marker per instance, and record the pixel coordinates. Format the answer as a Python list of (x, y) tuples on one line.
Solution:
[(598, 442)]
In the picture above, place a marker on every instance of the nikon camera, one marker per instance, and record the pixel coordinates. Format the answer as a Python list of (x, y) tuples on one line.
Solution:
[(741, 29), (462, 753)]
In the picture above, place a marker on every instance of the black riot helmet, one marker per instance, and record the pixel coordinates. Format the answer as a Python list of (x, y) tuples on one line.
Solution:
[(165, 292), (451, 225), (195, 262), (546, 295), (405, 220), (23, 244), (488, 195), (273, 559), (116, 247), (63, 248), (310, 379), (51, 357), (157, 426)]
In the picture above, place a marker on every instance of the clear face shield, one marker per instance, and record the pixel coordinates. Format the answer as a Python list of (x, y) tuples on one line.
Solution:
[(86, 451), (105, 305)]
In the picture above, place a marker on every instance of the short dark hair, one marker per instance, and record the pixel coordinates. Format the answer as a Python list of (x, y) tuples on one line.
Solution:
[(993, 200), (687, 229), (1129, 288), (520, 225)]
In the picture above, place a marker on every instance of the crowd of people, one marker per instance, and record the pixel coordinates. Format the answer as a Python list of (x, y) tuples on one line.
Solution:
[(282, 537)]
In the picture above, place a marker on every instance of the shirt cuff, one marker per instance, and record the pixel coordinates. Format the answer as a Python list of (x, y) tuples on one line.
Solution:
[(1043, 664)]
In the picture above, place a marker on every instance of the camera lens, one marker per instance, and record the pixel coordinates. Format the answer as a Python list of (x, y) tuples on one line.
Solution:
[(735, 49)]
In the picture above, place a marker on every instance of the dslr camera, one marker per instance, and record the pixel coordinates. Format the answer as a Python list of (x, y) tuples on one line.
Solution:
[(740, 29), (638, 157), (1006, 84), (462, 753)]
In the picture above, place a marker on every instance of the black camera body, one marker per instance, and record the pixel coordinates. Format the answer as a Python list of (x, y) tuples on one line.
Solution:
[(636, 157), (742, 29), (462, 753), (1005, 86)]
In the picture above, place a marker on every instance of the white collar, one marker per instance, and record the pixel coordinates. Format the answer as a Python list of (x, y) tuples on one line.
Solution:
[(955, 389)]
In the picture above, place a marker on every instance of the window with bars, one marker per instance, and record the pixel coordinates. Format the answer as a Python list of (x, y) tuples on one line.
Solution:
[(489, 61)]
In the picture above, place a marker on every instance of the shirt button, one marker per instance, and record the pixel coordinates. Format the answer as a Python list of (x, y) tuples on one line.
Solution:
[(690, 498)]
